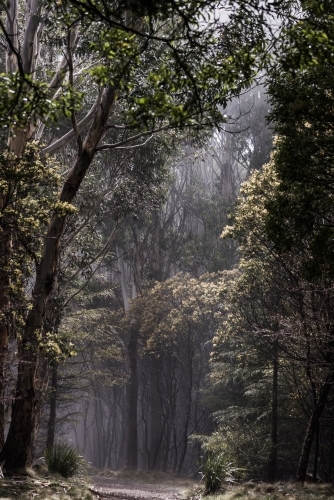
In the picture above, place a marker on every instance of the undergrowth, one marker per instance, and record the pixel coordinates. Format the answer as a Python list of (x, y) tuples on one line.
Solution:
[(264, 491), (43, 488), (218, 469), (64, 459)]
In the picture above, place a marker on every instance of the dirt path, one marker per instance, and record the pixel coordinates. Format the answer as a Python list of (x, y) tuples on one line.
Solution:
[(107, 488)]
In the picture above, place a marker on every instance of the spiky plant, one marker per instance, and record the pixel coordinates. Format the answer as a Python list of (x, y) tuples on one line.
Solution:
[(64, 459), (216, 469)]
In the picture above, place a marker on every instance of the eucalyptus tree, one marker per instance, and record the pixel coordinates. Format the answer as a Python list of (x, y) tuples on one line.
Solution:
[(283, 223)]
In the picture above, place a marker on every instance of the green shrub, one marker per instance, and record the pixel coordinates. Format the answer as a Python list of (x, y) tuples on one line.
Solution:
[(217, 469), (64, 459)]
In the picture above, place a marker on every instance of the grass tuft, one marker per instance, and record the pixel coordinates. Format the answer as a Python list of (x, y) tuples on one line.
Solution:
[(64, 459), (216, 470)]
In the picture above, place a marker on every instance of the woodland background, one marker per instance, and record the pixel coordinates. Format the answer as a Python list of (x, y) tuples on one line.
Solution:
[(166, 233)]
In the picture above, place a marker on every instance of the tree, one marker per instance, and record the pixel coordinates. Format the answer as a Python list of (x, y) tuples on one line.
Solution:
[(275, 302), (303, 203), (177, 319)]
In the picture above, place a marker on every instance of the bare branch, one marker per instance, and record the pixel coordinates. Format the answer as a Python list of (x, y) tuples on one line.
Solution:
[(70, 77), (29, 46), (62, 69), (133, 138), (67, 138), (11, 33)]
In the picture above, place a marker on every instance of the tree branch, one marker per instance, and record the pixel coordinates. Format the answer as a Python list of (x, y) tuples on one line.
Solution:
[(67, 138), (133, 138), (101, 254)]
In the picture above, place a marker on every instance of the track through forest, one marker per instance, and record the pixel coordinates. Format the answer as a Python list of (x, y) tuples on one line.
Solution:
[(106, 488)]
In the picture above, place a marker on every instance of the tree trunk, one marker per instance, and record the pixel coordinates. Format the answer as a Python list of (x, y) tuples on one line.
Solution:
[(272, 462), (131, 397), (316, 453), (155, 429), (4, 322), (131, 390), (312, 427), (53, 409), (18, 448), (188, 406)]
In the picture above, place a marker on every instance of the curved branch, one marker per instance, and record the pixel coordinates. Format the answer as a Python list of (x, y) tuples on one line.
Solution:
[(133, 138), (67, 138)]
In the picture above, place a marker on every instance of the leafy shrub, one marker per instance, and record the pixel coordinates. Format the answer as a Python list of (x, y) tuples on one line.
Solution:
[(217, 469), (64, 459)]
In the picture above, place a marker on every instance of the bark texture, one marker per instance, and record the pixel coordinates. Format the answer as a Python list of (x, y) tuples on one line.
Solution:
[(4, 323)]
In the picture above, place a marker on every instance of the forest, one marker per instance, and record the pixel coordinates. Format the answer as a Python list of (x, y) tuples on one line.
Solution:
[(167, 236)]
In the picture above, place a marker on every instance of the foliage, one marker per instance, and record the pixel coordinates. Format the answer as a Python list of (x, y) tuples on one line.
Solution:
[(148, 69), (216, 470), (280, 306), (264, 313), (219, 462), (29, 186), (64, 459), (179, 308), (28, 189), (300, 217)]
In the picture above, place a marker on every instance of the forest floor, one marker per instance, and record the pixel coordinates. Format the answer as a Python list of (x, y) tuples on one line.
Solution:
[(156, 486), (159, 486), (41, 485), (265, 491), (139, 485), (51, 487)]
